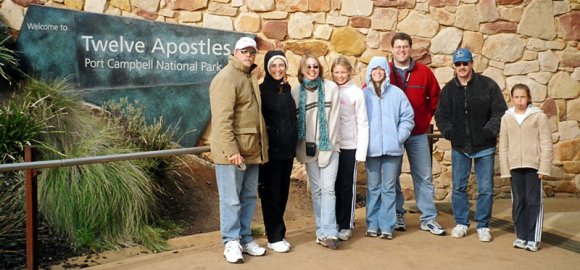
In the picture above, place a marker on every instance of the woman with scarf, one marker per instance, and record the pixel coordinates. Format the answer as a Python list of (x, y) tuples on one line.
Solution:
[(319, 143), (390, 118), (279, 111)]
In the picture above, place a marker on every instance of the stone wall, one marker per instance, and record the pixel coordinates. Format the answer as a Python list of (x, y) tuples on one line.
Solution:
[(535, 42)]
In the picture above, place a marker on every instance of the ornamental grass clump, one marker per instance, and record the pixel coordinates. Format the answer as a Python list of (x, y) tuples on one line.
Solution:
[(129, 118), (98, 205)]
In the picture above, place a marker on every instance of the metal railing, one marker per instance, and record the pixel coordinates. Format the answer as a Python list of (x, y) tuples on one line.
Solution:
[(30, 166)]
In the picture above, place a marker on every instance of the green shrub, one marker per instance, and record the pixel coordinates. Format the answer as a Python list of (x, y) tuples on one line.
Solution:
[(18, 128), (98, 205), (130, 118), (165, 171)]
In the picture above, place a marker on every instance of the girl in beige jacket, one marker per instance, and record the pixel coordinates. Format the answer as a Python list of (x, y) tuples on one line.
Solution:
[(525, 155)]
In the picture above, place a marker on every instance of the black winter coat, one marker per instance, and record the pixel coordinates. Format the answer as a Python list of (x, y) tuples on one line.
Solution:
[(470, 116), (279, 111)]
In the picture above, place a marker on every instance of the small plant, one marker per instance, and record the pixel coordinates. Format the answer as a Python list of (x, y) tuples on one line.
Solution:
[(9, 64), (17, 129), (8, 59), (148, 137)]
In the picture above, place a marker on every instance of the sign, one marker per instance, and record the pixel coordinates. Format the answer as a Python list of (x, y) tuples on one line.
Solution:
[(166, 67)]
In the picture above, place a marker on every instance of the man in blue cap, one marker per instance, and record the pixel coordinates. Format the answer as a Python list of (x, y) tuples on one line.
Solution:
[(469, 114)]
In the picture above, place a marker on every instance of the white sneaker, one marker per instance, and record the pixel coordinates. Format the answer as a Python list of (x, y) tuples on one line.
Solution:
[(279, 246), (519, 243), (532, 246), (287, 243), (433, 227), (484, 234), (253, 249), (344, 234), (459, 231), (233, 252)]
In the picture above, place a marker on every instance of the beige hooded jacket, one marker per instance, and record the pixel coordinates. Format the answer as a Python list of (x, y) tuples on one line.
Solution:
[(525, 145)]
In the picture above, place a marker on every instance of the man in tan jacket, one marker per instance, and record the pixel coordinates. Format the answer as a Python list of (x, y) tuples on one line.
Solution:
[(238, 144)]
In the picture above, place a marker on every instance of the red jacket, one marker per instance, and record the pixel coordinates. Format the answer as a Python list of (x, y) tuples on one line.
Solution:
[(422, 90)]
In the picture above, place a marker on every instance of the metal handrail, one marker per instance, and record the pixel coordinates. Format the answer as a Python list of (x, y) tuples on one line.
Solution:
[(30, 167), (100, 159)]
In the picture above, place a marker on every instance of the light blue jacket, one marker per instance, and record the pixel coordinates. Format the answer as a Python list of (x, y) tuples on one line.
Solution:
[(390, 116)]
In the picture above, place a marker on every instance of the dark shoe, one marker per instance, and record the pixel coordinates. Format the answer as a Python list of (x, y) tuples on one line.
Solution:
[(400, 225)]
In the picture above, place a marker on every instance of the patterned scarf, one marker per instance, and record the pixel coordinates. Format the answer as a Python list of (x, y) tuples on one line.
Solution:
[(318, 83)]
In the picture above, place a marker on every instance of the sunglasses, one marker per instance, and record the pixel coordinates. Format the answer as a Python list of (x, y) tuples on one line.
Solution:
[(311, 67), (251, 52), (458, 64)]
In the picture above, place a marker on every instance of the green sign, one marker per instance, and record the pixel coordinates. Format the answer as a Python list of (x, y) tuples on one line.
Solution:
[(166, 67)]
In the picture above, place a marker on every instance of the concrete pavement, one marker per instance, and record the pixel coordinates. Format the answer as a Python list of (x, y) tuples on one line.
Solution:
[(413, 249)]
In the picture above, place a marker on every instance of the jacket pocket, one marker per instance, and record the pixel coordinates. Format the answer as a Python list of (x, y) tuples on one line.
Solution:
[(248, 142), (481, 136)]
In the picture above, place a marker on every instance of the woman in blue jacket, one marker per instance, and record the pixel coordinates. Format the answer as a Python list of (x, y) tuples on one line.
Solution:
[(390, 118)]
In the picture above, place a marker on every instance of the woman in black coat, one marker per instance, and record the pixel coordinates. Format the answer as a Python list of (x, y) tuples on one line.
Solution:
[(279, 111)]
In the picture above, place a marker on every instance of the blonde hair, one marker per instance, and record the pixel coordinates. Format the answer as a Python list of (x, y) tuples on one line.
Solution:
[(303, 66), (341, 61)]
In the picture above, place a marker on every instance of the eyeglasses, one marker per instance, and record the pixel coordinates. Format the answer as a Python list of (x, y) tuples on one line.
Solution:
[(251, 52), (404, 47), (311, 67), (458, 64)]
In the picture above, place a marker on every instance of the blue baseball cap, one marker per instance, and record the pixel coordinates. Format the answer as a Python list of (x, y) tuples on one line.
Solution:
[(462, 55)]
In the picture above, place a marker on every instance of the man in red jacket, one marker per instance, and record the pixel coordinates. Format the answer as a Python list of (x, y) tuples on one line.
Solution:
[(422, 89)]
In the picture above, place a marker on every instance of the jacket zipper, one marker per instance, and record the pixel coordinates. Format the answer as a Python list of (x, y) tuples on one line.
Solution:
[(466, 105)]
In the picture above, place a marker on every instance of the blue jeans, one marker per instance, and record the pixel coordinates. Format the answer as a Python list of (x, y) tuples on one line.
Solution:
[(461, 169), (382, 173), (322, 181), (417, 147), (237, 192)]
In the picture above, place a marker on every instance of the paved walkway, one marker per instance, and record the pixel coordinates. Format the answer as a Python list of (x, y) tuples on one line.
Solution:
[(413, 249)]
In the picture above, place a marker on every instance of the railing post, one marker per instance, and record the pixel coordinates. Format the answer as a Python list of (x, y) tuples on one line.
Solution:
[(31, 212)]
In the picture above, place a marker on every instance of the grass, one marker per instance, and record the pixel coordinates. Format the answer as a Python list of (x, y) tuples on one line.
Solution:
[(18, 128), (93, 206), (12, 214), (130, 118), (98, 205), (7, 59)]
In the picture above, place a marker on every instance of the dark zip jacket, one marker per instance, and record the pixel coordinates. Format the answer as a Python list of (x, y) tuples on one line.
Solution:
[(279, 111), (470, 116)]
